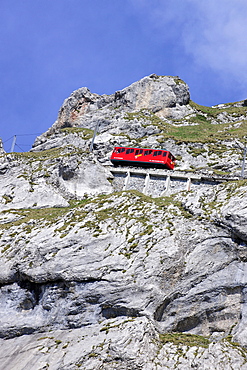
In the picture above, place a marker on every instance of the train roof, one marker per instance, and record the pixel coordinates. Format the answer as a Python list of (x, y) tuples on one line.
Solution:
[(131, 147)]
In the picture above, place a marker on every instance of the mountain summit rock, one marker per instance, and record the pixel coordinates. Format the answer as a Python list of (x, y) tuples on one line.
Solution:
[(126, 268), (157, 93)]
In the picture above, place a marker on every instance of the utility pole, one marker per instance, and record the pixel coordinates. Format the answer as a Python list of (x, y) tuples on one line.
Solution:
[(244, 148), (94, 134), (243, 164), (13, 144)]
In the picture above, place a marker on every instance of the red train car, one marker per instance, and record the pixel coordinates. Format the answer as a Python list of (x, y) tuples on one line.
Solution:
[(143, 157)]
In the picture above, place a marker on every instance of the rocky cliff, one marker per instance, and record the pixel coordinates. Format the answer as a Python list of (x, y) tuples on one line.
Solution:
[(101, 269)]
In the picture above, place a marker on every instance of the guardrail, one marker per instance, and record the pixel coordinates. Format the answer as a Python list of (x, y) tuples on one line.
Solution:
[(161, 182)]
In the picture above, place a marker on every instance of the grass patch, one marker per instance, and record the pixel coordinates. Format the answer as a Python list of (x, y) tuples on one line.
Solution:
[(195, 152), (199, 118), (6, 248), (44, 214), (189, 340), (237, 346), (48, 154), (213, 112), (197, 128), (7, 199), (86, 133), (41, 155), (104, 213), (204, 132)]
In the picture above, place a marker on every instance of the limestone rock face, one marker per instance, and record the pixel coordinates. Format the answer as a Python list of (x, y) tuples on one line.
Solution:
[(123, 344), (162, 95), (2, 151), (50, 179), (153, 92), (4, 164), (126, 268)]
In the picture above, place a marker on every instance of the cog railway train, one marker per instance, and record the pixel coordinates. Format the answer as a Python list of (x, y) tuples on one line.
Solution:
[(158, 158)]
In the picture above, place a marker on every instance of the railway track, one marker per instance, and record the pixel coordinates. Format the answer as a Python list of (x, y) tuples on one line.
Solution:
[(160, 182)]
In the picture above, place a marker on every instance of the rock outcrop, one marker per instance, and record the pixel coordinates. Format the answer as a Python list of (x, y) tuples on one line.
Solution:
[(94, 277), (164, 96), (2, 151), (3, 159), (153, 92)]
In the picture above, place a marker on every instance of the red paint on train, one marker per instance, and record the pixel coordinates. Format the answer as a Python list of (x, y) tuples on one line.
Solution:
[(143, 157)]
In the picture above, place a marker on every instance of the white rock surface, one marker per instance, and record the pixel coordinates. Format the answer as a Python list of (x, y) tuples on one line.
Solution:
[(92, 277), (122, 344)]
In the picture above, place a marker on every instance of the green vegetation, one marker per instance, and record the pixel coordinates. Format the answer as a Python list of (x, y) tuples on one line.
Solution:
[(85, 133), (198, 118), (5, 248), (237, 346), (93, 354), (106, 213), (42, 338), (213, 112), (189, 340), (196, 151), (7, 199), (48, 154), (228, 190), (198, 127), (49, 215), (205, 132), (145, 116), (41, 155), (177, 79), (112, 325)]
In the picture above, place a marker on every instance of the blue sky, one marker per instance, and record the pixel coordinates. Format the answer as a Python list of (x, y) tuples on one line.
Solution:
[(49, 48)]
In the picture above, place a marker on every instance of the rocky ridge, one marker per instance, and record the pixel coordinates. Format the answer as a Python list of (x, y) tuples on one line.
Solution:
[(94, 277)]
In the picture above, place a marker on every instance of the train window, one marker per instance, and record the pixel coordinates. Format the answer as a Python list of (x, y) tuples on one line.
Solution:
[(158, 152), (128, 151), (164, 154), (120, 150), (170, 156), (139, 151), (147, 152)]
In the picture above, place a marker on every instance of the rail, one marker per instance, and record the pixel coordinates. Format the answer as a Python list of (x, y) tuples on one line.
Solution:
[(160, 182)]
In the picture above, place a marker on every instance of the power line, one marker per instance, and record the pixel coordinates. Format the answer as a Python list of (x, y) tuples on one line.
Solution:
[(8, 139), (14, 138), (5, 141), (19, 147), (39, 133), (25, 144)]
